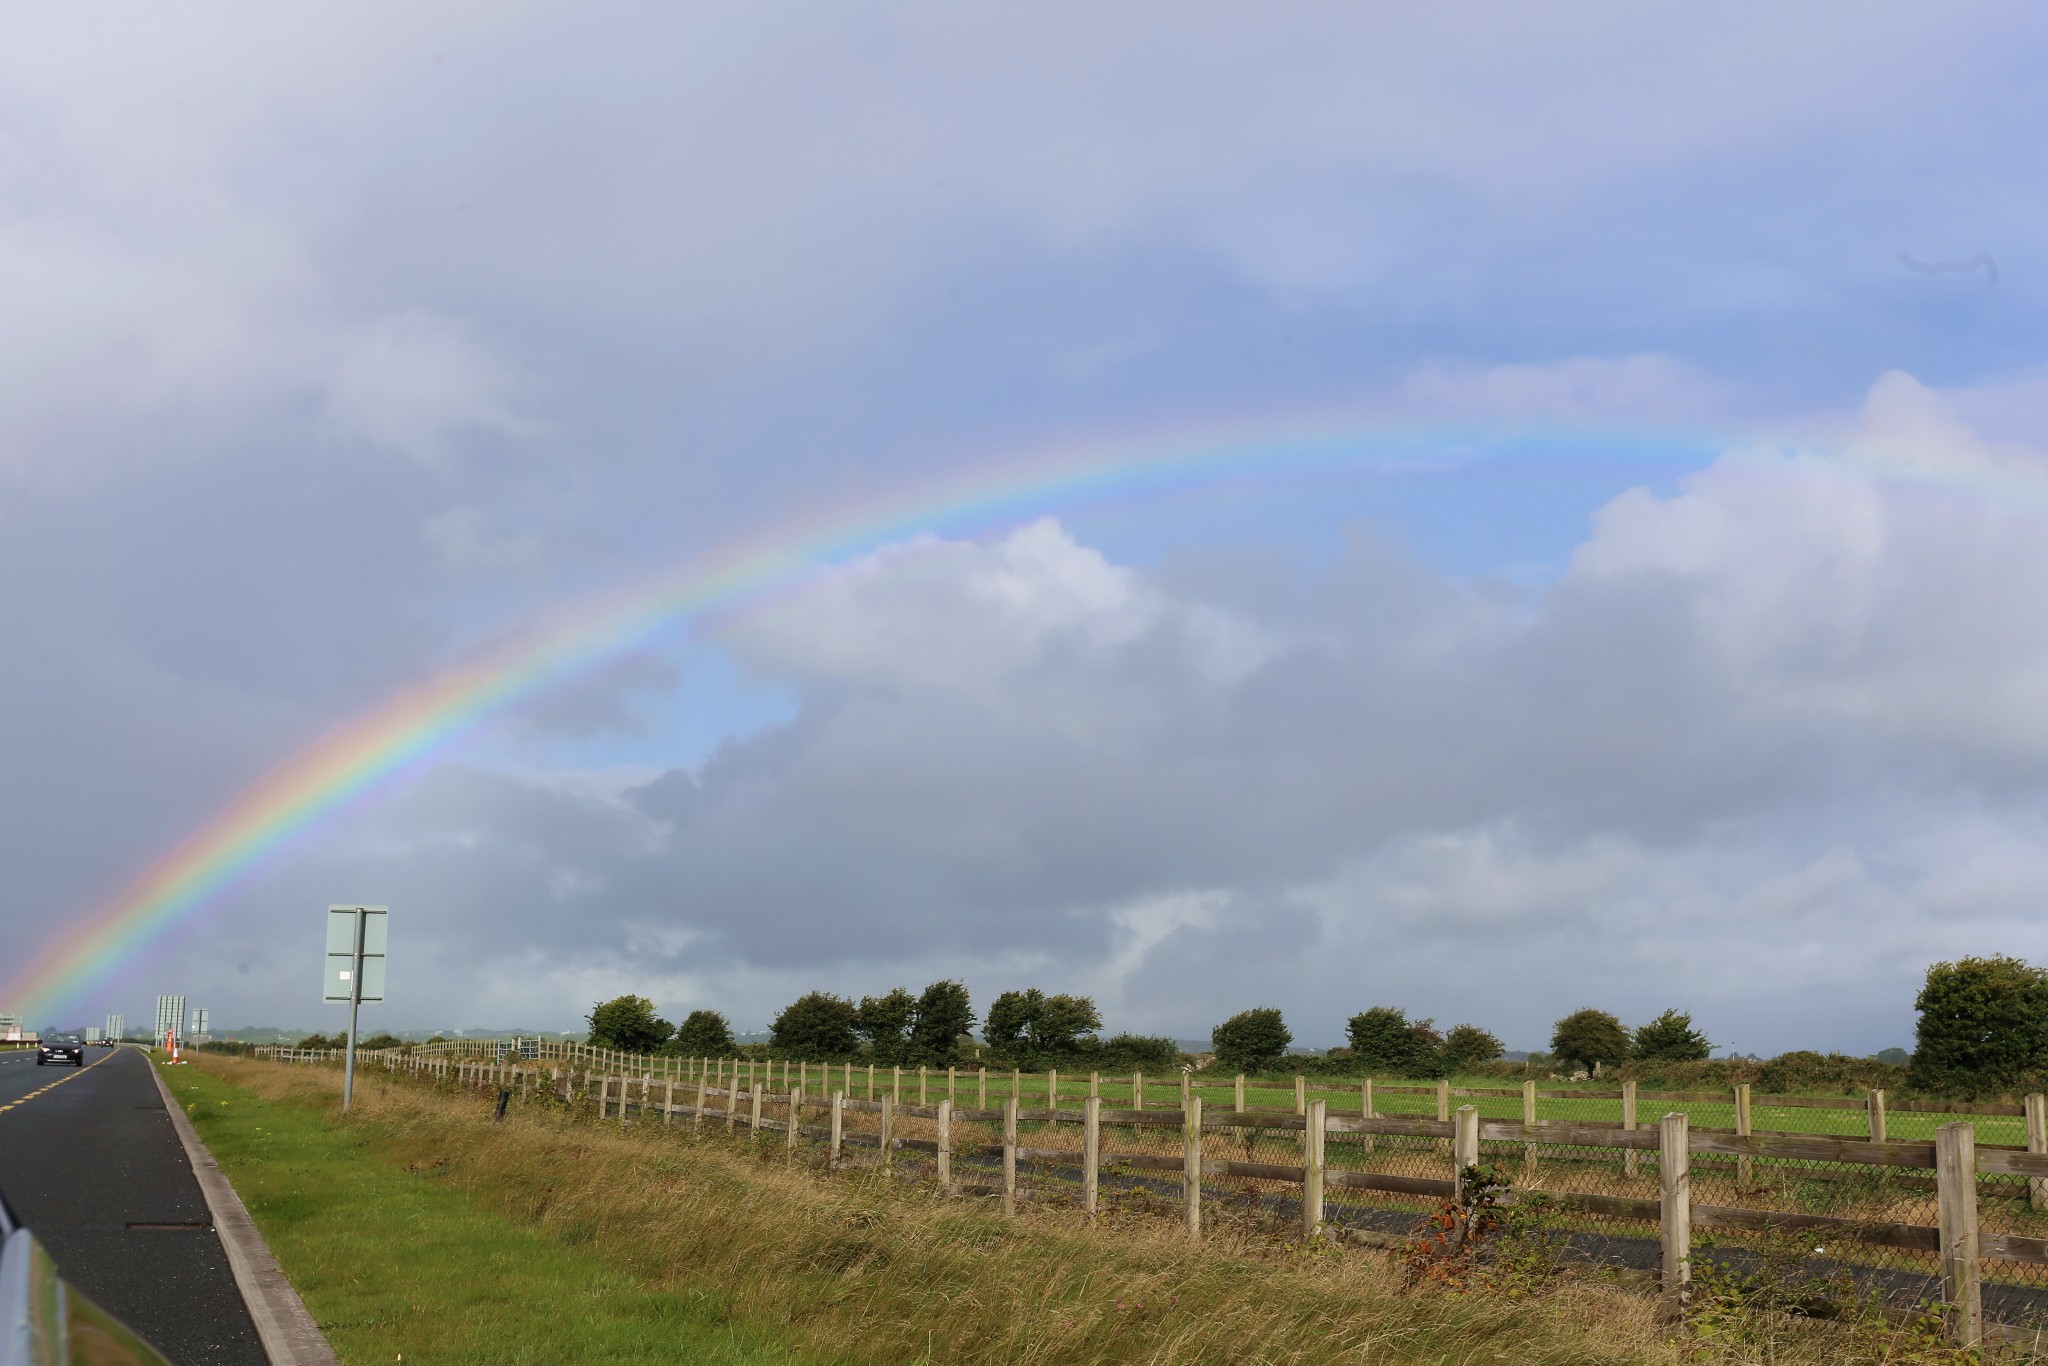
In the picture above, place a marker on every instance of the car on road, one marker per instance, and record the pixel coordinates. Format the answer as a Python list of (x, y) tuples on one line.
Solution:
[(61, 1048)]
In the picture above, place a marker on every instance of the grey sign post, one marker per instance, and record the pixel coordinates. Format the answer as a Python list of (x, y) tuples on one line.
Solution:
[(356, 937)]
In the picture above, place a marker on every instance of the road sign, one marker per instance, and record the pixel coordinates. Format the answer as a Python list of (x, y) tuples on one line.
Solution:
[(355, 972), (341, 951)]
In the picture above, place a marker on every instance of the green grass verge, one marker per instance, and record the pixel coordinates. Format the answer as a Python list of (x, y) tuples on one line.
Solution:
[(395, 1266)]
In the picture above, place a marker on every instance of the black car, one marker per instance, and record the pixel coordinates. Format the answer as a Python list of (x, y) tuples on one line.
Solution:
[(62, 1048)]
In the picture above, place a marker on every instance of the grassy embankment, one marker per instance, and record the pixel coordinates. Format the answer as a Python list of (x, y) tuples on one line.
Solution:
[(416, 1226)]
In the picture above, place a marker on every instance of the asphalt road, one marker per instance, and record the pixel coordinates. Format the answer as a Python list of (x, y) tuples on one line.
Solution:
[(95, 1170)]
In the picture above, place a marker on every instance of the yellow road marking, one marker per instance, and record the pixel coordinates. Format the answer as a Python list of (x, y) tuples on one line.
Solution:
[(23, 1100)]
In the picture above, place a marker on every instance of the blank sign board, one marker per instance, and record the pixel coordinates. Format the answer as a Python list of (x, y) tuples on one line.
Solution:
[(341, 952)]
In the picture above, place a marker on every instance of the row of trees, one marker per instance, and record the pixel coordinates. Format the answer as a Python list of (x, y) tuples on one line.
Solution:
[(1983, 1028)]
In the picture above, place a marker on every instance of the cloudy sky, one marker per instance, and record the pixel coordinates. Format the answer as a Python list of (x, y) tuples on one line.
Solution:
[(1693, 651)]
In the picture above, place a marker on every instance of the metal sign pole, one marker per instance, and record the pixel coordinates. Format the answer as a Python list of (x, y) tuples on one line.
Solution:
[(355, 1002)]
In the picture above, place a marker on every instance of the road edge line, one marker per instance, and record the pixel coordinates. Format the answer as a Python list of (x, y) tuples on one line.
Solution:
[(289, 1335)]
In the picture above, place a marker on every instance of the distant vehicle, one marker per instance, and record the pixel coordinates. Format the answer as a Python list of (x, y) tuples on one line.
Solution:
[(61, 1048), (45, 1322)]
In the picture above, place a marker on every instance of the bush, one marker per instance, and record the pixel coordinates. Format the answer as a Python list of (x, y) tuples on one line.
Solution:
[(884, 1022), (1386, 1043), (1671, 1038), (816, 1027), (1136, 1053), (1030, 1029), (1251, 1040), (702, 1034), (628, 1024), (1465, 1047), (1983, 1025), (944, 1016), (1586, 1038)]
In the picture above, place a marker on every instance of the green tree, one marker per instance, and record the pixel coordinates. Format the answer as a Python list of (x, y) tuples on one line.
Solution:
[(702, 1034), (385, 1040), (1983, 1025), (628, 1024), (1671, 1038), (1586, 1037), (1251, 1040), (944, 1014), (1386, 1043), (816, 1027), (885, 1021), (1031, 1026), (1143, 1052), (1465, 1045)]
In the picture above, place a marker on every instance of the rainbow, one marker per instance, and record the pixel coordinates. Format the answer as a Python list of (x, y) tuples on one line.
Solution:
[(422, 724)]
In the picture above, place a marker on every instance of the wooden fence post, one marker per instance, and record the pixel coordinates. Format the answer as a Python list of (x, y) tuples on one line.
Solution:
[(1674, 1195), (1137, 1090), (703, 1094), (896, 1085), (1095, 1084), (922, 1075), (1239, 1094), (846, 1079), (732, 1103), (754, 1118), (871, 1081), (888, 1132), (1191, 1167), (1300, 1095), (1009, 1154), (1745, 1165), (1017, 1083), (1091, 1152), (668, 1102), (796, 1115), (803, 1077), (1628, 1121), (1464, 1145), (838, 1127), (1184, 1087), (1052, 1088), (1874, 1103), (1312, 1136), (952, 1084), (1528, 1118), (1955, 1176), (1443, 1115), (945, 1124), (2037, 1142), (604, 1099), (981, 1089)]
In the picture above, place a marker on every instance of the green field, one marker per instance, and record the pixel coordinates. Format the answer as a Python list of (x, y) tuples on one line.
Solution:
[(391, 1261), (1343, 1097)]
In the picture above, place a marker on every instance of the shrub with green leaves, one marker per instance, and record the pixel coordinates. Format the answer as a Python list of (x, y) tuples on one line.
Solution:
[(1467, 1046), (1671, 1038), (1386, 1043), (1251, 1040), (1585, 1038), (1983, 1026), (628, 1024), (702, 1034), (816, 1027)]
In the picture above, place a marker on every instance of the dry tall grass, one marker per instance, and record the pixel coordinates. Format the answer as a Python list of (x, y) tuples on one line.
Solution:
[(864, 1269)]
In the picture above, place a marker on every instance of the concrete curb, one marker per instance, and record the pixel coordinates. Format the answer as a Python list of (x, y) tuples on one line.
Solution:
[(289, 1335)]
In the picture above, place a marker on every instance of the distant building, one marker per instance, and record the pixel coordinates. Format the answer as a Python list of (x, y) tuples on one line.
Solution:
[(116, 1026), (170, 1017), (92, 1034), (10, 1027)]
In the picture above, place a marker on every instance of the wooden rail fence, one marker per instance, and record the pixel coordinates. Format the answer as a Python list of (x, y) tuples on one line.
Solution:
[(1182, 1143)]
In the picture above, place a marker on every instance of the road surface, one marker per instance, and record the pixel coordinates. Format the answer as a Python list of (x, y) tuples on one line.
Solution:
[(90, 1162)]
